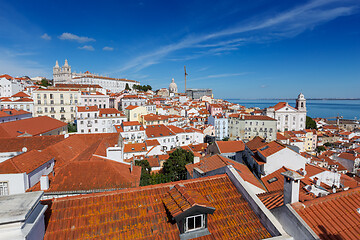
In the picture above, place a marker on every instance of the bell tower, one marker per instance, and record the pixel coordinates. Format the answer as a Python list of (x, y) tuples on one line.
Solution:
[(301, 103)]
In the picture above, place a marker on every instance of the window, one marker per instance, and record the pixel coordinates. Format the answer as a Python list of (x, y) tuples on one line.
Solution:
[(194, 223), (4, 188), (61, 101), (61, 96)]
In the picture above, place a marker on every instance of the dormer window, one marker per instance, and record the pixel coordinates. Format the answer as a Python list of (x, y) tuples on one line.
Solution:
[(190, 210), (194, 223)]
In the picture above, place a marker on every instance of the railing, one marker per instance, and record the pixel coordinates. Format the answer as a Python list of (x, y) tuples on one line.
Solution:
[(52, 111)]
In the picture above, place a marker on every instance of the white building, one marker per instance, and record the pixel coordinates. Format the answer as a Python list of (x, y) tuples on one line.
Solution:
[(64, 75), (289, 118), (131, 132), (9, 87), (91, 119), (220, 122), (88, 98), (22, 216), (131, 100), (19, 101)]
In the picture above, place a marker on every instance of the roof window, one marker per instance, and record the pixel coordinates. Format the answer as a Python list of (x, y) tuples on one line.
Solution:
[(271, 180)]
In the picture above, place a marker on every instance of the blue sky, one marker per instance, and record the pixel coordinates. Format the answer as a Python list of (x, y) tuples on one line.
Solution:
[(240, 49)]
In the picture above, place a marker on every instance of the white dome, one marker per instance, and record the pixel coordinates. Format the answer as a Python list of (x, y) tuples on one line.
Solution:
[(173, 86), (301, 96)]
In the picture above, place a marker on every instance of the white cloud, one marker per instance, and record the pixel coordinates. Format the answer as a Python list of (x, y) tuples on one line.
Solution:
[(73, 37), (87, 48), (223, 75), (284, 25), (108, 48), (46, 36)]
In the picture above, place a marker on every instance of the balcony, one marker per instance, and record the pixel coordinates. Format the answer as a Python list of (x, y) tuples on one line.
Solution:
[(62, 110), (52, 111), (89, 125), (63, 119)]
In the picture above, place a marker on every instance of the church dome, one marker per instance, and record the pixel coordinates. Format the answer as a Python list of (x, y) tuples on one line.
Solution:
[(301, 96), (173, 87)]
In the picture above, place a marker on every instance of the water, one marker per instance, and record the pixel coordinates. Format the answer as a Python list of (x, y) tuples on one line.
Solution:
[(349, 109)]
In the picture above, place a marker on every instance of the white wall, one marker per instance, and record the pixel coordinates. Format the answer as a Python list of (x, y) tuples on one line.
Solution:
[(45, 169), (17, 182), (286, 158)]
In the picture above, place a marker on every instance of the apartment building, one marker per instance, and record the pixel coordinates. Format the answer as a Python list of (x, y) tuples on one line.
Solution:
[(246, 127), (56, 103), (91, 119)]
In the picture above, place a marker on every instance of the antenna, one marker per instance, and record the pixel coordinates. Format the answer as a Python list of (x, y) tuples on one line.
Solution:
[(185, 77)]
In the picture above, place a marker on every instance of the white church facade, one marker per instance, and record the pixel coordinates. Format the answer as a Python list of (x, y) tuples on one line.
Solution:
[(289, 118), (63, 75)]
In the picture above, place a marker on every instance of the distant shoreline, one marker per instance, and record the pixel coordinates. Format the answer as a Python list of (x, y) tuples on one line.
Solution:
[(287, 99)]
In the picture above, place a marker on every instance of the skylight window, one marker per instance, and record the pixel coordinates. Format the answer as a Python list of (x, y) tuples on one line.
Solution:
[(271, 180), (264, 148)]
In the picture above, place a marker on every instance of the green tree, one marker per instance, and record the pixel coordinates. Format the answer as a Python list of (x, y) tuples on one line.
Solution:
[(175, 165), (127, 86), (44, 82), (225, 139), (72, 127), (320, 149), (310, 123), (145, 178)]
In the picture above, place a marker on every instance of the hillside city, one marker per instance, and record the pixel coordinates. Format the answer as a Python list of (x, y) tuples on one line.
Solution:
[(86, 156)]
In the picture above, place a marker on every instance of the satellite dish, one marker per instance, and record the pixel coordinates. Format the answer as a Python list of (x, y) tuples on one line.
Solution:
[(24, 149)]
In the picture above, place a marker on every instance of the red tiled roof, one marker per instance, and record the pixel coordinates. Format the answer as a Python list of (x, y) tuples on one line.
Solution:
[(180, 199), (348, 156), (33, 126), (31, 143), (272, 199), (255, 143), (270, 148), (135, 147), (96, 173), (140, 213), (12, 112), (258, 117), (217, 161), (230, 146), (131, 123), (87, 108), (20, 94), (25, 163), (280, 105), (278, 183), (334, 216), (103, 111), (154, 117), (131, 107), (152, 142), (160, 130)]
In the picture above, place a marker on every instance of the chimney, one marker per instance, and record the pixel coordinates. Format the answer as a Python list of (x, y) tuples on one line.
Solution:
[(131, 166), (44, 182), (196, 159), (291, 186), (317, 181), (302, 172)]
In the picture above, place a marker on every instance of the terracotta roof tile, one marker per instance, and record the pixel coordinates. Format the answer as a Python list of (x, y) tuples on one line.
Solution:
[(255, 143), (33, 126), (230, 146), (31, 143), (270, 148), (334, 216), (140, 213)]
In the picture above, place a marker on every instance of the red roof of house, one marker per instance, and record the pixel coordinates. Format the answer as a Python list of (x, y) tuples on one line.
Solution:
[(270, 148), (131, 123), (20, 94), (103, 111), (87, 108), (12, 112), (230, 146), (135, 147), (160, 130), (140, 213), (255, 143), (17, 144), (333, 216), (217, 161), (131, 107), (180, 199), (95, 173), (348, 156), (33, 126)]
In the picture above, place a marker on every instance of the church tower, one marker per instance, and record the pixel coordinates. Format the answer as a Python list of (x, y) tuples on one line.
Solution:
[(66, 72), (56, 72), (301, 103)]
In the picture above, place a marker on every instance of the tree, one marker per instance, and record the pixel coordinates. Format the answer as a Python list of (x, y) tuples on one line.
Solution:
[(145, 178), (320, 149), (127, 86), (44, 82), (310, 123), (225, 139), (72, 127), (175, 165)]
